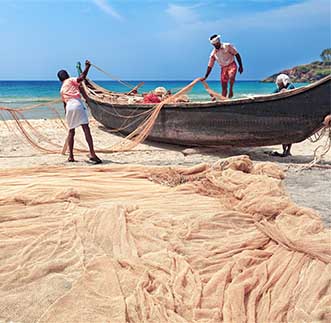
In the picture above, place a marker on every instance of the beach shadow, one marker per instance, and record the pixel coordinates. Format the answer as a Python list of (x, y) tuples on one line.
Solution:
[(104, 162), (262, 154), (110, 131), (159, 145)]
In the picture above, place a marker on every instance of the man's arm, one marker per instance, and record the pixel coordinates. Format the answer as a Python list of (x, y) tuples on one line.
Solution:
[(209, 68), (241, 69), (82, 76)]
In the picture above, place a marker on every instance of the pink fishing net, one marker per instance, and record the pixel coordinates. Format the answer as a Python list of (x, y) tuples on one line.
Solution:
[(220, 243)]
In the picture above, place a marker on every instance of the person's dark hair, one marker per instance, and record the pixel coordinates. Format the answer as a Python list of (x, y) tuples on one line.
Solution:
[(62, 75), (213, 36)]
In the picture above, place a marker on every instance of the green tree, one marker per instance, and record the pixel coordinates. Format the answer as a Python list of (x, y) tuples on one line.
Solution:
[(326, 55)]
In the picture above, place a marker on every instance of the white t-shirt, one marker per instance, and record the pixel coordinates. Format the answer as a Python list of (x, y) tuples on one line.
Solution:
[(224, 56)]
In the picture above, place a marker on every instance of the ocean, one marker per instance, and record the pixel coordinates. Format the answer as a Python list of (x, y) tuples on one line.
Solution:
[(16, 94)]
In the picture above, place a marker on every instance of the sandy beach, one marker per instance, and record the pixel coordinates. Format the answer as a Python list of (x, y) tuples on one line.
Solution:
[(309, 188), (209, 239), (135, 231)]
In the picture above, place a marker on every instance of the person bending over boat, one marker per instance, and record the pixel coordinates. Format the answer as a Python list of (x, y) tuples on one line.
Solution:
[(224, 54), (75, 110), (283, 83)]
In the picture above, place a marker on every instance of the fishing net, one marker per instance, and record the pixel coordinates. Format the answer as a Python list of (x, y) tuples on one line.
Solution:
[(141, 121), (209, 243), (37, 139), (18, 123), (323, 148)]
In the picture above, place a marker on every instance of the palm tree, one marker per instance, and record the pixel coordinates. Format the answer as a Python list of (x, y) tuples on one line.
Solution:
[(326, 55)]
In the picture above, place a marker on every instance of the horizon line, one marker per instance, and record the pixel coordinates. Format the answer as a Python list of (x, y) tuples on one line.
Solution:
[(107, 80)]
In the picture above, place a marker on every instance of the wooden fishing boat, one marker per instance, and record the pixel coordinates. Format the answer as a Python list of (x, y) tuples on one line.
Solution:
[(281, 118)]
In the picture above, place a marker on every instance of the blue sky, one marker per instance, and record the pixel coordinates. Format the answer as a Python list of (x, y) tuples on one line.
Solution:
[(158, 39)]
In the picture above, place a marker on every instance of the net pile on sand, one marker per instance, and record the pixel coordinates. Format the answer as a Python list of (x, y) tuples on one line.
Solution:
[(141, 244)]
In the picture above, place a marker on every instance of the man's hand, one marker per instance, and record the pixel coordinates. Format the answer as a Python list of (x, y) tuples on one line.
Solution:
[(82, 76), (241, 69), (327, 121), (203, 79)]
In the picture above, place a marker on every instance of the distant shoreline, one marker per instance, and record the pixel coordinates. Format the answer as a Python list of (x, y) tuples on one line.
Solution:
[(310, 73)]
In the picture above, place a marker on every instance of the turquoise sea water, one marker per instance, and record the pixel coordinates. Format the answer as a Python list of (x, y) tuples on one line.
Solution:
[(24, 93)]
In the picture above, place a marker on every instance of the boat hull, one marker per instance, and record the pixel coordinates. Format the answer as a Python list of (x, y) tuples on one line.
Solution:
[(260, 121)]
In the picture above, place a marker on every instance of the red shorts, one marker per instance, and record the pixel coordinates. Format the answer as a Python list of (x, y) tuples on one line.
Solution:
[(229, 72)]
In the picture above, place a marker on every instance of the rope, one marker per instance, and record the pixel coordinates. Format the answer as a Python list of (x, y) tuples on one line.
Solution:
[(130, 86), (318, 135), (137, 136), (34, 106), (36, 139), (143, 130), (321, 150)]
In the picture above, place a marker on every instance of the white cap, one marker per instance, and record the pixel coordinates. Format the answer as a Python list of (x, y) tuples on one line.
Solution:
[(215, 40), (283, 78), (160, 91)]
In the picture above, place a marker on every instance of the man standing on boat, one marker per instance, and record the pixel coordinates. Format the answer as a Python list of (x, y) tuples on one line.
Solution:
[(224, 54)]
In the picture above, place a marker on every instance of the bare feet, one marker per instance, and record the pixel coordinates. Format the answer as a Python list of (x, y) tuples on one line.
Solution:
[(95, 159), (277, 154), (71, 159)]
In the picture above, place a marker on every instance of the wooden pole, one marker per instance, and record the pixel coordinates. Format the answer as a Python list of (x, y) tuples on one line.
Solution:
[(65, 147)]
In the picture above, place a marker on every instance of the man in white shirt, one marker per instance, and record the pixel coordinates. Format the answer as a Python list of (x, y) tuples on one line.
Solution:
[(224, 54)]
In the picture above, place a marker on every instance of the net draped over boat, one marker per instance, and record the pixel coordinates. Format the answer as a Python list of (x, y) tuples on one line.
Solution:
[(40, 141), (139, 121), (210, 243)]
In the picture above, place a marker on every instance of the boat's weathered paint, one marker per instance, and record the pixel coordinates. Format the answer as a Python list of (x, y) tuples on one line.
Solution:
[(265, 120)]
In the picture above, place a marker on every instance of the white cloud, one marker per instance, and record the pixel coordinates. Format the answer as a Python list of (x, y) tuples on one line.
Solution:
[(107, 8), (299, 15), (307, 13), (182, 14)]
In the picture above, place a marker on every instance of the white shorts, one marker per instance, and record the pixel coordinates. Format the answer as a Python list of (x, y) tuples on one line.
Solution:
[(76, 113)]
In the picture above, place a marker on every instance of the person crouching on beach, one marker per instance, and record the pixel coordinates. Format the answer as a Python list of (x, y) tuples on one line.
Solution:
[(283, 83), (224, 54), (75, 111)]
